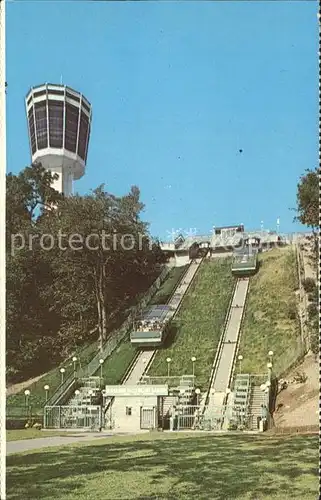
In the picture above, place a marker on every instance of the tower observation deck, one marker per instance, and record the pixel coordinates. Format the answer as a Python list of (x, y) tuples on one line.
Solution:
[(59, 120)]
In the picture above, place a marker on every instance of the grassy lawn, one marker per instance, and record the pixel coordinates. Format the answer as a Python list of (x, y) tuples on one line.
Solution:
[(199, 324), (271, 321), (163, 294), (18, 434), (165, 466), (117, 363)]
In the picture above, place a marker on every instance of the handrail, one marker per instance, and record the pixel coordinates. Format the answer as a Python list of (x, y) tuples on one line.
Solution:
[(232, 374), (111, 343)]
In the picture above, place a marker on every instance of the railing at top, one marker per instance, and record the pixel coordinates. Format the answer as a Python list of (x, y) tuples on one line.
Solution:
[(259, 379), (111, 343), (171, 381), (232, 374)]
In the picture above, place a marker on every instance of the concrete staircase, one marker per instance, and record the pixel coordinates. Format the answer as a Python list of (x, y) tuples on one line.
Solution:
[(84, 398), (256, 401)]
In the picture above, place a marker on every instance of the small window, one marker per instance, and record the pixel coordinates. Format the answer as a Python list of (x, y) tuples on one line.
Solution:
[(128, 410)]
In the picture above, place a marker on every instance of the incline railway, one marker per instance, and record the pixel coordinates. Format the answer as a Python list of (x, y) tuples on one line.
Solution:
[(223, 364), (144, 358)]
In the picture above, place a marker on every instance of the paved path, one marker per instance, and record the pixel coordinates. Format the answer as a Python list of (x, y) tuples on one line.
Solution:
[(232, 331), (45, 442)]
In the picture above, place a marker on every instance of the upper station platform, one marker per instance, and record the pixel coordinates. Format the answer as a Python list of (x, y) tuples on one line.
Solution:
[(223, 240)]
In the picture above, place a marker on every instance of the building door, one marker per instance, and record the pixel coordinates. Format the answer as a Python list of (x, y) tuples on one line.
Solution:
[(147, 418)]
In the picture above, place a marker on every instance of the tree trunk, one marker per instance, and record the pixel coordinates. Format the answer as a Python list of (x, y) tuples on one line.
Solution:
[(103, 303), (99, 312)]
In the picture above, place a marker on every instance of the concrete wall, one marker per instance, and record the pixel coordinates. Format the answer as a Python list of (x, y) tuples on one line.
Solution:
[(131, 422), (182, 259)]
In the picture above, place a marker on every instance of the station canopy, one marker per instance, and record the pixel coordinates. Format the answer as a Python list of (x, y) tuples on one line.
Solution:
[(151, 313)]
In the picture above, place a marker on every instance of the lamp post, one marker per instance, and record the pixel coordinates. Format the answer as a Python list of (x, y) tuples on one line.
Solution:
[(74, 360), (77, 392), (270, 355), (46, 388), (193, 359), (263, 388), (90, 395), (101, 361), (62, 371), (27, 394), (269, 367), (240, 358), (197, 392), (168, 361)]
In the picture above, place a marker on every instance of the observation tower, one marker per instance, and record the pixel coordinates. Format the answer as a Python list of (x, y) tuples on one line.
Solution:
[(59, 120)]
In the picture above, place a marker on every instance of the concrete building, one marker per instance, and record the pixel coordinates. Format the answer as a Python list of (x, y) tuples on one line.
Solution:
[(59, 120), (135, 407)]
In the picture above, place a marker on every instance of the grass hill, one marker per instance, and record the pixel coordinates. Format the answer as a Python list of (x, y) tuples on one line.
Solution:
[(198, 325), (271, 319)]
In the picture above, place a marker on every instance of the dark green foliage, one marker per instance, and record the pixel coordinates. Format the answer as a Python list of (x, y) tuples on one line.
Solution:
[(292, 310), (308, 199), (63, 292), (309, 285), (312, 310)]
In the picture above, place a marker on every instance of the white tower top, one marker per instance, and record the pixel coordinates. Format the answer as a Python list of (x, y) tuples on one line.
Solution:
[(59, 120)]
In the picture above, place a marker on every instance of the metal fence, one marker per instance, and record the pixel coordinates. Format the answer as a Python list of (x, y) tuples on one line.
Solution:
[(73, 417), (226, 417), (171, 381), (92, 382)]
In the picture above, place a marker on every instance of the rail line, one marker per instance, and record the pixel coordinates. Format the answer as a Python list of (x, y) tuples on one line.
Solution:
[(225, 357), (144, 359)]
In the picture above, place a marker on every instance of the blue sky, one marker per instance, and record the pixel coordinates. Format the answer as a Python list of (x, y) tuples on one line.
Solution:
[(177, 89)]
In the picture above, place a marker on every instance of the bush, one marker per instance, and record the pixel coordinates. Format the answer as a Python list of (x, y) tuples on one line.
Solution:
[(312, 310), (15, 423), (313, 297), (292, 310), (309, 285)]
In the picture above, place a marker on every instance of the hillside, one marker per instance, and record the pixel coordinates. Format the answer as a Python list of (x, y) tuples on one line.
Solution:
[(271, 315), (198, 326)]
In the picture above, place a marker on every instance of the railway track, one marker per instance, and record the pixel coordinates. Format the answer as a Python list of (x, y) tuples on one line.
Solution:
[(224, 361), (143, 360)]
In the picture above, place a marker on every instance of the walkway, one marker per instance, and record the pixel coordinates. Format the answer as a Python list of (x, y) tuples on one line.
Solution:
[(46, 442), (224, 366)]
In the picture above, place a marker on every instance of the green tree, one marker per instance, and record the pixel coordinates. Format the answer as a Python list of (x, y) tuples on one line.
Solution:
[(308, 199), (61, 295)]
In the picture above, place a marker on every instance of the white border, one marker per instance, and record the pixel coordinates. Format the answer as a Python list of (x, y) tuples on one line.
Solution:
[(3, 158)]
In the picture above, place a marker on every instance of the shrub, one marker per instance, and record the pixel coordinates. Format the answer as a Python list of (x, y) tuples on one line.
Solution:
[(292, 310), (309, 285), (312, 310), (313, 297)]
